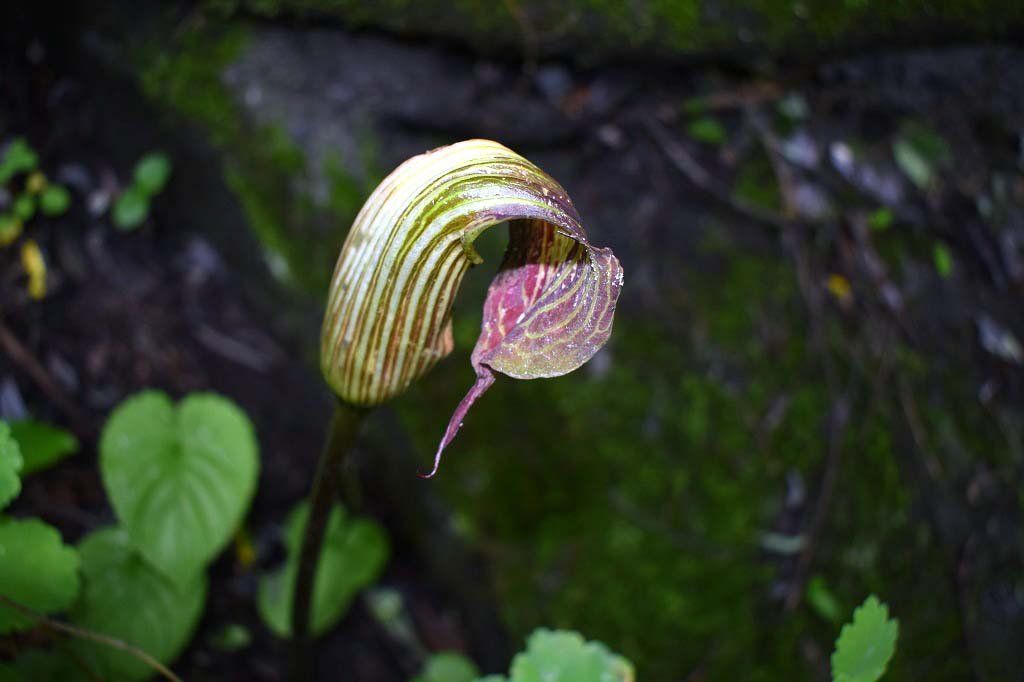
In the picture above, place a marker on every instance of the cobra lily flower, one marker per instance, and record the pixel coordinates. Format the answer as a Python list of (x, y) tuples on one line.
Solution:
[(388, 319)]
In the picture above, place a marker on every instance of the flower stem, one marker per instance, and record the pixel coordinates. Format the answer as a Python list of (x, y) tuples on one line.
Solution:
[(340, 438)]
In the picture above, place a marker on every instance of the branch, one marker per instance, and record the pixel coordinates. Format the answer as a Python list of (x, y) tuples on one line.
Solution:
[(91, 636), (22, 357), (696, 174)]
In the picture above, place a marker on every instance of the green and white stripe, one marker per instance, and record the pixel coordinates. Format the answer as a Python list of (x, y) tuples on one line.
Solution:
[(388, 312)]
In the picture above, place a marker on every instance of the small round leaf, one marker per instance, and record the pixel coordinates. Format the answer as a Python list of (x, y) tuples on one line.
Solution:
[(24, 207), (54, 200), (131, 209), (353, 554), (36, 569), (10, 228), (152, 172), (179, 478), (125, 598)]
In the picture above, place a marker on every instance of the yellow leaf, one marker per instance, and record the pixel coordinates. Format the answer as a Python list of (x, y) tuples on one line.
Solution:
[(10, 229), (244, 551), (35, 268), (839, 287), (36, 183)]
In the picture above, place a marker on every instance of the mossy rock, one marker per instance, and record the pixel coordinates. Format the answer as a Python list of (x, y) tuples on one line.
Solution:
[(598, 29)]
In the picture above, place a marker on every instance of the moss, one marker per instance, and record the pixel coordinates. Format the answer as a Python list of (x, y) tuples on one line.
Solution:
[(601, 28), (264, 168), (630, 503), (188, 76), (757, 182)]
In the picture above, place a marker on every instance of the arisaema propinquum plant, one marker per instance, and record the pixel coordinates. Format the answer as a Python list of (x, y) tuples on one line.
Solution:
[(388, 318)]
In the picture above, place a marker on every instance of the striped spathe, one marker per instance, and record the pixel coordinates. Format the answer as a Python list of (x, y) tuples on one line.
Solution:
[(387, 321)]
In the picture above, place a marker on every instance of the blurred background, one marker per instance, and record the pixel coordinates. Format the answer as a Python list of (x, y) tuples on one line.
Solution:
[(814, 389)]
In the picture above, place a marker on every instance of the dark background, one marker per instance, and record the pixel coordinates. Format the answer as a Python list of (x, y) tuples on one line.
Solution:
[(792, 394)]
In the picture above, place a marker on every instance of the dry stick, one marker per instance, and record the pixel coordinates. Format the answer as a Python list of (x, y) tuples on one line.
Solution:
[(837, 425), (791, 230), (529, 36), (97, 637), (28, 362), (696, 174), (340, 438), (840, 410)]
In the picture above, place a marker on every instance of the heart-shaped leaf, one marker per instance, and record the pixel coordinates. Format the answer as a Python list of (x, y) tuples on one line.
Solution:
[(180, 478), (11, 463), (125, 598), (36, 569), (354, 552), (42, 445)]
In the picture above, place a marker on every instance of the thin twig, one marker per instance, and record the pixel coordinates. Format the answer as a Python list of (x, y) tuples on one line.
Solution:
[(740, 98), (696, 174), (837, 425), (529, 36), (96, 637), (21, 356)]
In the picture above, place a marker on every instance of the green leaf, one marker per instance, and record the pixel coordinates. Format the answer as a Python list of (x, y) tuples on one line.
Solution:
[(694, 106), (822, 600), (880, 220), (918, 151), (11, 462), (42, 445), (793, 106), (180, 479), (19, 158), (151, 173), (36, 569), (354, 552), (865, 646), (125, 598), (707, 130), (448, 666), (913, 165), (24, 207), (943, 259), (39, 666), (131, 209), (10, 228), (54, 200), (564, 656), (232, 637)]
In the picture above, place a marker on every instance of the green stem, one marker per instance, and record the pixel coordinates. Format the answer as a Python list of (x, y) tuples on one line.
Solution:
[(340, 438)]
